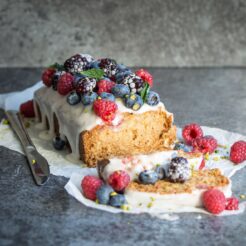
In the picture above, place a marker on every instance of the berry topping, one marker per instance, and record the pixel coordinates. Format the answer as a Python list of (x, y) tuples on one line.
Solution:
[(56, 78), (214, 201), (135, 83), (206, 144), (117, 200), (104, 85), (93, 64), (109, 66), (73, 98), (191, 132), (90, 185), (65, 84), (77, 63), (182, 146), (120, 90), (152, 98), (119, 180), (238, 152), (231, 203), (119, 77), (103, 194), (107, 96), (133, 101), (27, 109), (58, 143), (89, 98), (47, 76), (105, 109), (85, 85), (179, 170), (145, 76), (161, 172), (148, 177)]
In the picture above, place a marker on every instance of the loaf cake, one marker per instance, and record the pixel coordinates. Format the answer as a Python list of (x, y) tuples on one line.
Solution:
[(101, 109)]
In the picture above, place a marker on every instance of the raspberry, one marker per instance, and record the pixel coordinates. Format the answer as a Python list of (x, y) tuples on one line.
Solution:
[(145, 76), (85, 85), (214, 201), (27, 109), (105, 109), (65, 84), (206, 144), (90, 185), (238, 152), (47, 76), (202, 164), (119, 180), (104, 86), (191, 132), (231, 203)]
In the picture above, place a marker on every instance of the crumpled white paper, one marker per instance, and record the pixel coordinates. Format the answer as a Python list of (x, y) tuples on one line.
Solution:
[(60, 165)]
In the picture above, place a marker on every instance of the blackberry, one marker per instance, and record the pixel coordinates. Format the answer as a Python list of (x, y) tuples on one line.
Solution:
[(109, 66), (179, 170), (135, 83), (85, 85), (55, 79), (77, 63)]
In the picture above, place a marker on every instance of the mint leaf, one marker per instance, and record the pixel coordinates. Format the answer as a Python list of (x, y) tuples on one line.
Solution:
[(57, 66), (144, 92), (96, 73)]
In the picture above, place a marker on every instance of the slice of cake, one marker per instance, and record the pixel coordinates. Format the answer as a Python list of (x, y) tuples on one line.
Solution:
[(168, 195), (102, 110)]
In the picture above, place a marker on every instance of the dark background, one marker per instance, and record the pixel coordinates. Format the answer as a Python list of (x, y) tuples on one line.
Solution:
[(136, 32)]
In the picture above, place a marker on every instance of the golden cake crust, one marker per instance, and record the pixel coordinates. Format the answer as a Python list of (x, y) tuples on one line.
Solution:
[(201, 179), (137, 134)]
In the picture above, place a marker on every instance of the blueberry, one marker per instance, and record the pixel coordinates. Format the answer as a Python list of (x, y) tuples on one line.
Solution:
[(161, 172), (117, 200), (182, 146), (58, 143), (93, 64), (133, 101), (107, 96), (122, 68), (152, 98), (103, 194), (120, 90), (119, 77), (73, 98), (88, 98), (148, 177)]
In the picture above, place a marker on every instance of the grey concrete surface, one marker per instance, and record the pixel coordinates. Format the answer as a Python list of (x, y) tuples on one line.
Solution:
[(135, 32), (47, 215)]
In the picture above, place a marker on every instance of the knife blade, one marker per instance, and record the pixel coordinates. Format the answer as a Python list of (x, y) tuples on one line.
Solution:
[(37, 163)]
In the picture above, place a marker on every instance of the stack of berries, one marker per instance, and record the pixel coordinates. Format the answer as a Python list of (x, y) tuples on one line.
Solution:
[(110, 193), (99, 82)]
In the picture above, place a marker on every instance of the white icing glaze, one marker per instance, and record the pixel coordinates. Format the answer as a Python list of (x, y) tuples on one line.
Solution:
[(75, 119), (135, 164), (170, 202)]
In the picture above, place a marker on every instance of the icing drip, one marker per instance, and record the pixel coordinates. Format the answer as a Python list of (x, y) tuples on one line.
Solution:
[(78, 118)]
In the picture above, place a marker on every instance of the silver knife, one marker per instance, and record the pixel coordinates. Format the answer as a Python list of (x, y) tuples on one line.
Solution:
[(38, 164)]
